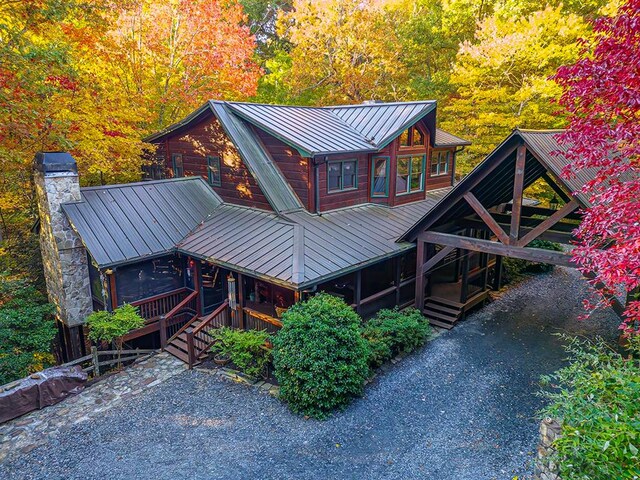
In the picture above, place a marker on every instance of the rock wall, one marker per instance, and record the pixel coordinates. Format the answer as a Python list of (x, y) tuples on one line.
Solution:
[(63, 256), (546, 469)]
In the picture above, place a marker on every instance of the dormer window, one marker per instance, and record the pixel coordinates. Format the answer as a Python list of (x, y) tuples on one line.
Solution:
[(412, 137)]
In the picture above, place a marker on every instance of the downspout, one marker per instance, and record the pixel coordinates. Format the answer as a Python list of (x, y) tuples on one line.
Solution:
[(316, 182)]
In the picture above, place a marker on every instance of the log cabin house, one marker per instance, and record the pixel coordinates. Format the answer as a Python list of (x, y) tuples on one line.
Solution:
[(247, 209)]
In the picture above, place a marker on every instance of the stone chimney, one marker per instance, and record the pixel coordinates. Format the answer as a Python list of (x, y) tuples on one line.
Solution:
[(64, 257)]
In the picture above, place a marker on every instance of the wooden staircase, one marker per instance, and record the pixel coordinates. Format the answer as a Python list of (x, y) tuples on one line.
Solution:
[(442, 312), (192, 342)]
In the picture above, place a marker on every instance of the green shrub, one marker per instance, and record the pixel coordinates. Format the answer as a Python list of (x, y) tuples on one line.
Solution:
[(392, 332), (27, 329), (515, 268), (597, 398), (107, 326), (320, 357), (246, 349), (112, 326)]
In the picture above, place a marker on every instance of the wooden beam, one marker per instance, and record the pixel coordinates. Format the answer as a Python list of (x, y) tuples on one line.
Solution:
[(529, 211), (486, 217), (436, 258), (550, 235), (555, 187), (518, 187), (420, 273), (547, 223), (478, 245)]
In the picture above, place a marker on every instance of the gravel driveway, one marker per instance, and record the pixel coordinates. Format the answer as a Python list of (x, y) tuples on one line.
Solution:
[(461, 408)]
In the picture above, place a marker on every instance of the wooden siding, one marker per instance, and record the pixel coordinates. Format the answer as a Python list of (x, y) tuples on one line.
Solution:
[(347, 198), (294, 167), (440, 181), (207, 138)]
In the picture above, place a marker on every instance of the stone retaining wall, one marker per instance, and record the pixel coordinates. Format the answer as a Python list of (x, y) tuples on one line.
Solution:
[(546, 469)]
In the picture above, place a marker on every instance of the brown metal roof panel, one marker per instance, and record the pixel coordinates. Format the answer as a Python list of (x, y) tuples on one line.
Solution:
[(270, 179), (122, 223), (446, 139)]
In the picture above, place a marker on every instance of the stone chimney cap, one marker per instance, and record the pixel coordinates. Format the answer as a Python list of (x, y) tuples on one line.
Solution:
[(55, 162)]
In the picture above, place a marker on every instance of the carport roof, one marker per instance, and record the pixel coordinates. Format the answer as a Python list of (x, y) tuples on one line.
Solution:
[(492, 179)]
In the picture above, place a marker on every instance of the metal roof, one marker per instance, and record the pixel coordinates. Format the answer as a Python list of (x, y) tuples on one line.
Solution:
[(446, 139), (257, 159), (312, 131), (492, 180), (124, 223), (300, 248), (380, 123), (320, 130)]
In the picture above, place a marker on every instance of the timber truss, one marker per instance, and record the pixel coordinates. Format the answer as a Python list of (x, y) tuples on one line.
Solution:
[(486, 213)]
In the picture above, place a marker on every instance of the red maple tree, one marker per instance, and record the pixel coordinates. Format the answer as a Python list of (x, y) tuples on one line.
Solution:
[(601, 93)]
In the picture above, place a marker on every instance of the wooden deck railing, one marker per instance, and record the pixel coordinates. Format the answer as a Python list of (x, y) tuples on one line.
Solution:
[(199, 338), (183, 305), (254, 320), (151, 308)]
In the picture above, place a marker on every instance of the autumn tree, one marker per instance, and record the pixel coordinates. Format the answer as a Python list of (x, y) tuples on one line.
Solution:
[(172, 56), (501, 79), (343, 52), (601, 95), (54, 95)]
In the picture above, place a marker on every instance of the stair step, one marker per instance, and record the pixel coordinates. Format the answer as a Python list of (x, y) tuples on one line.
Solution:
[(445, 301), (204, 336), (434, 306), (437, 323), (180, 343), (177, 353), (441, 316)]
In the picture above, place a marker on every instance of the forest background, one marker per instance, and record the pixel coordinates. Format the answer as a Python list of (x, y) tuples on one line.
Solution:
[(93, 77)]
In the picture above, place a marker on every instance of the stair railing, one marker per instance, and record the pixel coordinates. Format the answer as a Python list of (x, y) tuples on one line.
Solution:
[(197, 344), (166, 319)]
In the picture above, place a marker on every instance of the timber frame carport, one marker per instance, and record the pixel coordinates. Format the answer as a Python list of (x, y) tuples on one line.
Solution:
[(485, 213)]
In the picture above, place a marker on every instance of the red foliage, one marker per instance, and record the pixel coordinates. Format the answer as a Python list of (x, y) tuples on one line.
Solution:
[(601, 93)]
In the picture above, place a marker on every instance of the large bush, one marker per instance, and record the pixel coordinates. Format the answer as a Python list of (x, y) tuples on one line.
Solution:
[(392, 332), (246, 349), (597, 399), (320, 357), (27, 330)]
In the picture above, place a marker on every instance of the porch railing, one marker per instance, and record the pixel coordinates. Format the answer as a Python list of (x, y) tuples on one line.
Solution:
[(200, 338), (153, 307), (165, 314), (254, 320)]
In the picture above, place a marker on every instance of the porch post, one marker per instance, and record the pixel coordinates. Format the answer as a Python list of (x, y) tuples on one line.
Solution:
[(497, 280), (420, 260), (398, 275), (358, 292), (113, 295), (197, 286), (240, 293), (464, 290)]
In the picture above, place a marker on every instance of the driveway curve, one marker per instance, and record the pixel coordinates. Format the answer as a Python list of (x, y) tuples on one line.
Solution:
[(461, 408)]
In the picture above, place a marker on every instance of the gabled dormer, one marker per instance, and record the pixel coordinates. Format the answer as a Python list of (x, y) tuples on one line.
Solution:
[(286, 158)]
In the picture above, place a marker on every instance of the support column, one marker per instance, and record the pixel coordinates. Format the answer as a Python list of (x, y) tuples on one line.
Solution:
[(497, 279), (420, 260), (518, 187), (464, 290), (240, 293)]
